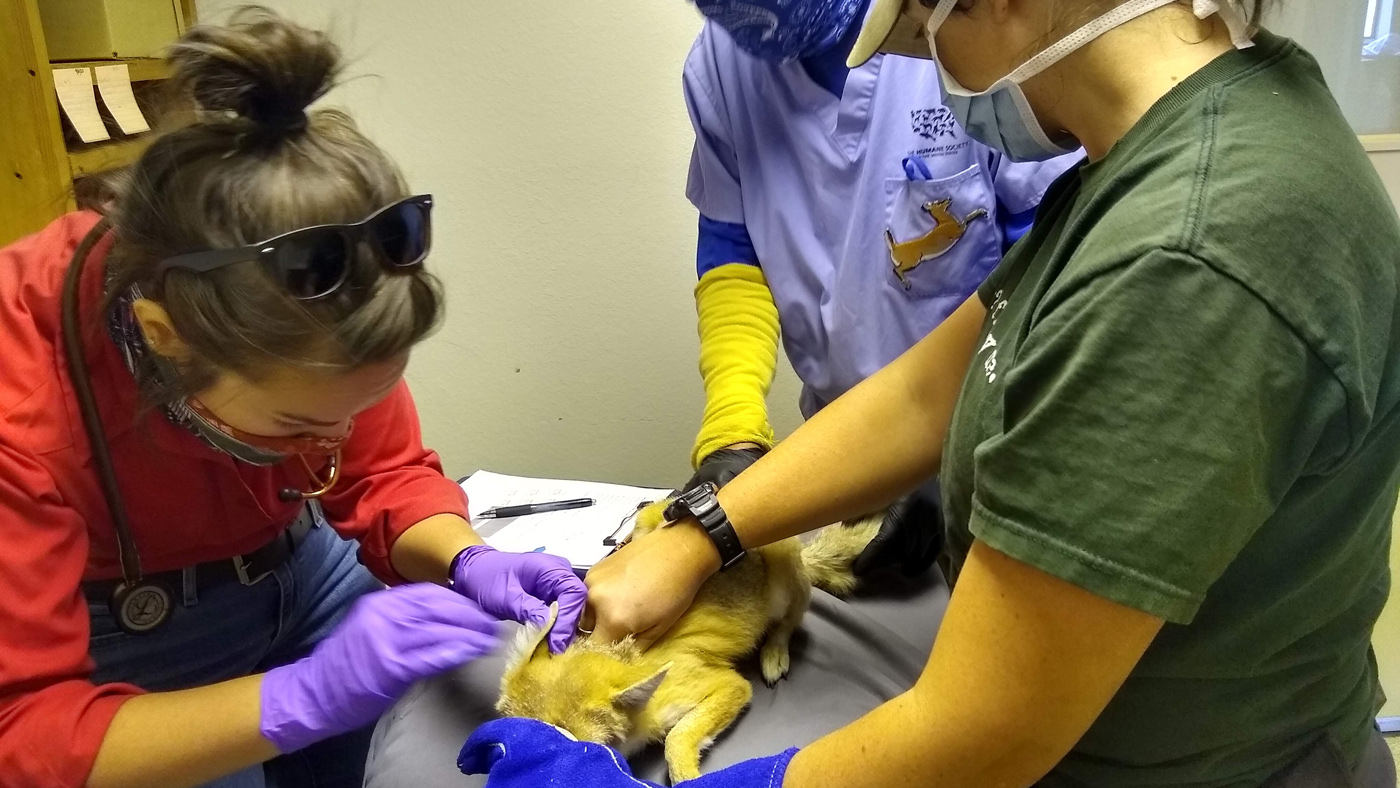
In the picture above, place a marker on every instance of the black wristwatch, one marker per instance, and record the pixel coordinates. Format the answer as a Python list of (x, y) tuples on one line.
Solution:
[(702, 504)]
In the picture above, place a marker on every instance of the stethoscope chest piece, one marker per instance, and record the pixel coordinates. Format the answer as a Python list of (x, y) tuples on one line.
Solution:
[(143, 607)]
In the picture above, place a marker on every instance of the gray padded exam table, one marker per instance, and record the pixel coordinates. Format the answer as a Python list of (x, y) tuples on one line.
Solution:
[(848, 658)]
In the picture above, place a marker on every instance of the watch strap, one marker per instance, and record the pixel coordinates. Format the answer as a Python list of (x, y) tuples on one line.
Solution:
[(726, 542), (702, 504)]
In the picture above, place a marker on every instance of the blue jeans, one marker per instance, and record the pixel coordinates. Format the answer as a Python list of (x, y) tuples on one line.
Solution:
[(234, 630)]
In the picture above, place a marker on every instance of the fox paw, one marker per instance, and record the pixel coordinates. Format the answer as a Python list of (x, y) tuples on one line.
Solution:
[(774, 662)]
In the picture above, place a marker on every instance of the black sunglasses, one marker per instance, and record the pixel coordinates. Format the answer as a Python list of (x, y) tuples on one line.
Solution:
[(314, 262)]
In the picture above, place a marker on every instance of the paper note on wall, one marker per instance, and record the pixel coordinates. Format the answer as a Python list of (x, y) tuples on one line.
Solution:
[(114, 83), (74, 88)]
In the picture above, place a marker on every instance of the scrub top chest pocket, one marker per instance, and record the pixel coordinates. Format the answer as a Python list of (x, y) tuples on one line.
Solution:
[(941, 236)]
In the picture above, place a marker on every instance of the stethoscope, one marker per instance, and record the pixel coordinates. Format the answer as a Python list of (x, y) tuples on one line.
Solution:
[(139, 605)]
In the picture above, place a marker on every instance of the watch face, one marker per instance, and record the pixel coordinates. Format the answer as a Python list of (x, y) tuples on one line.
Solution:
[(695, 502)]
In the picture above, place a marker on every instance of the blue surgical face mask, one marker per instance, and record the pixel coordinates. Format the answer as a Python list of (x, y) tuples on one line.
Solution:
[(1000, 117), (783, 30)]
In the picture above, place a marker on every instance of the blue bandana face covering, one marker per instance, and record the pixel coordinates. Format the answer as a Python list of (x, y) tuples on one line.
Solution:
[(783, 30)]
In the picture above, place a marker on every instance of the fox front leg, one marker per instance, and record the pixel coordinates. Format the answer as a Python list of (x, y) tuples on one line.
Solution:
[(698, 728)]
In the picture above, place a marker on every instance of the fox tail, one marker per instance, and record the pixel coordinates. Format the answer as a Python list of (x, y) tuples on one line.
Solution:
[(830, 555)]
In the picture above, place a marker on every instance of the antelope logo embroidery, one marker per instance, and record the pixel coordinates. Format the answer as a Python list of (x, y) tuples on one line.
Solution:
[(947, 231)]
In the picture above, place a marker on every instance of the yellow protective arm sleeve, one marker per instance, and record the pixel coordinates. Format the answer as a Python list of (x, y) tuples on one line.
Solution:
[(738, 355)]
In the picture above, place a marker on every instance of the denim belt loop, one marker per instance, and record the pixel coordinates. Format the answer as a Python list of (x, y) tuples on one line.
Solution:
[(190, 586)]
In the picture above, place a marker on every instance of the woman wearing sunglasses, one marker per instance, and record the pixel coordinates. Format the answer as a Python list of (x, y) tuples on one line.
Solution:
[(204, 422), (1170, 470)]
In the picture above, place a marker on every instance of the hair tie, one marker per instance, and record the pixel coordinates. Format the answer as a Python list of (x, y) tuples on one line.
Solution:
[(286, 124), (281, 120)]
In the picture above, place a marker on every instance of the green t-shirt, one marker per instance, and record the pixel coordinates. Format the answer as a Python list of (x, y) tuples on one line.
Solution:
[(1185, 400)]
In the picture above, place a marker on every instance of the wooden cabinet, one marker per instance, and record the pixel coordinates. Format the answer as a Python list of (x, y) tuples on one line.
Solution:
[(39, 163)]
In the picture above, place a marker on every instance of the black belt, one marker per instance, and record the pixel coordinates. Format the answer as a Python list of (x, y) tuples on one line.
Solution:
[(247, 569)]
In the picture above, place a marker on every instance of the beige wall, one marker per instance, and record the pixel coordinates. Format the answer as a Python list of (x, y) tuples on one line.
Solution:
[(555, 140), (1388, 163)]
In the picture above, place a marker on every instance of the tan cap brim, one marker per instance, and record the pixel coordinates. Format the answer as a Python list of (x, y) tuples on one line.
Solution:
[(888, 29)]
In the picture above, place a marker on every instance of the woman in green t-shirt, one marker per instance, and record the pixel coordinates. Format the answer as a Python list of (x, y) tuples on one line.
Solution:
[(1170, 468)]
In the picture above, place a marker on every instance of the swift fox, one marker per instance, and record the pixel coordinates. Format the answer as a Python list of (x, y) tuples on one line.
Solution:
[(947, 231), (685, 689)]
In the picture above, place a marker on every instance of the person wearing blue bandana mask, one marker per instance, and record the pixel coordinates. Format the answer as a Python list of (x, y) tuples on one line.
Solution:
[(1167, 428), (843, 209)]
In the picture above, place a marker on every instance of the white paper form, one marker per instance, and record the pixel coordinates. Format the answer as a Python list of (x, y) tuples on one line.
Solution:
[(74, 88), (114, 83), (575, 534)]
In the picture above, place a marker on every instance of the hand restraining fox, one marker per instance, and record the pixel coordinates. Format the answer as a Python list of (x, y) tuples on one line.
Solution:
[(684, 690)]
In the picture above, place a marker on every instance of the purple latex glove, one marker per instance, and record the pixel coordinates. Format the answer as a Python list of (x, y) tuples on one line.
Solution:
[(390, 640), (521, 587)]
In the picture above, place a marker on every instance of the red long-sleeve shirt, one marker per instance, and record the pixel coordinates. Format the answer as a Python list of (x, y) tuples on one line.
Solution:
[(186, 504)]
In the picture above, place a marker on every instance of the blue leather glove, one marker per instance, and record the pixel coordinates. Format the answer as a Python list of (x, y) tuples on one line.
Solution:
[(520, 753)]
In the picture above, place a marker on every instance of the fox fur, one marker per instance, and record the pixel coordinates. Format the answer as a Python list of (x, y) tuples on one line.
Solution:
[(685, 690)]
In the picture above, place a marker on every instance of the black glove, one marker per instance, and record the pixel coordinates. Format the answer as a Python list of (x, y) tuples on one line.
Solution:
[(722, 465), (910, 538)]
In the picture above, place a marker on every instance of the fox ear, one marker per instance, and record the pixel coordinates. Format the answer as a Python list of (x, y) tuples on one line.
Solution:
[(533, 642), (637, 695)]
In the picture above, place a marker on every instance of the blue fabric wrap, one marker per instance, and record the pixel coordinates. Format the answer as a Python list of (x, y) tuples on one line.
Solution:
[(1013, 225), (828, 68), (521, 753), (783, 30), (722, 243)]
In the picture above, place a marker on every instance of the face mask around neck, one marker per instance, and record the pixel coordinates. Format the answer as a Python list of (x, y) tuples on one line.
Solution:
[(130, 341), (1001, 117), (258, 449)]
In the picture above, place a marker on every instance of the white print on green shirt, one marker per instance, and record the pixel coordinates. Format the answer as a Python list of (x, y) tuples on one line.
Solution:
[(989, 367)]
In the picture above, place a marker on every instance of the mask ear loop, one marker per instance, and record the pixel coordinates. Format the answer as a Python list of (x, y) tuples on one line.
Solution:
[(931, 28), (1062, 48), (935, 22), (1089, 32), (1203, 9), (1083, 36), (939, 16), (1236, 21)]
